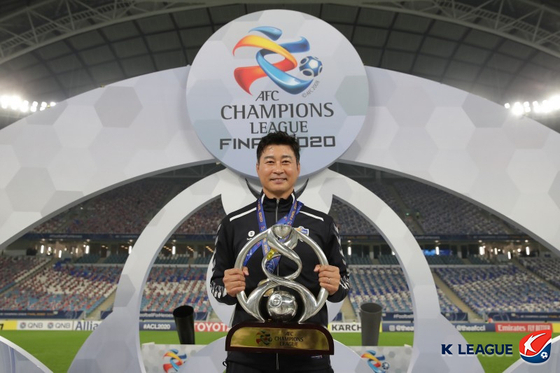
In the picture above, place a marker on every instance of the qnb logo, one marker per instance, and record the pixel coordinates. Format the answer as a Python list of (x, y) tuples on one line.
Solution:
[(175, 361), (309, 66), (376, 362), (534, 348)]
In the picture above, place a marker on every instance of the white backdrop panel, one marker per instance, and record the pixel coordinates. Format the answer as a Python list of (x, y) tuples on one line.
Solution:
[(417, 128)]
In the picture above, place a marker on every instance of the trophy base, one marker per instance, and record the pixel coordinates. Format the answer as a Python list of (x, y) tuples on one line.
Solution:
[(286, 338)]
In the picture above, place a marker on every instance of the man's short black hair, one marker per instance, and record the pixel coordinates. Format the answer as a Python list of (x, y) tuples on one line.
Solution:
[(278, 138)]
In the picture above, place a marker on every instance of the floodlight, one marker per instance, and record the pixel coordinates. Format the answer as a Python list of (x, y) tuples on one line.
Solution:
[(555, 102), (518, 109), (15, 102)]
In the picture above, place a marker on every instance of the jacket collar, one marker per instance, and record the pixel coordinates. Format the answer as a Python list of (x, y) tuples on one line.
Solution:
[(271, 203)]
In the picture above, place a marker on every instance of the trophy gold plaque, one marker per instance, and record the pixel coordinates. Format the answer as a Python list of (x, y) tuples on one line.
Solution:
[(277, 332)]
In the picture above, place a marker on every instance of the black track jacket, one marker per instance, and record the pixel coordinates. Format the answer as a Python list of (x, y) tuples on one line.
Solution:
[(239, 227)]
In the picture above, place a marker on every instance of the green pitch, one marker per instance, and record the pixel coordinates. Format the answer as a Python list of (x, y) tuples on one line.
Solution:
[(57, 349)]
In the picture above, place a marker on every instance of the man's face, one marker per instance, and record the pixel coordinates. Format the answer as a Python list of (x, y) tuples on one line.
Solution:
[(278, 171)]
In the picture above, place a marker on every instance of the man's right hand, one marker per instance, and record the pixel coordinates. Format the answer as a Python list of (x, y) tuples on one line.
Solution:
[(234, 280)]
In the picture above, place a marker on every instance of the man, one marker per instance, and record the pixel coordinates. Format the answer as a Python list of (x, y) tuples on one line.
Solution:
[(278, 168)]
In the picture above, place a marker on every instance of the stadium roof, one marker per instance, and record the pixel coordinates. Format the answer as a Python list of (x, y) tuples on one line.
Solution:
[(503, 50)]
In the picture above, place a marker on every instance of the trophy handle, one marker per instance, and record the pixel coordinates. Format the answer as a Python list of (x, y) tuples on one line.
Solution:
[(253, 308), (312, 305)]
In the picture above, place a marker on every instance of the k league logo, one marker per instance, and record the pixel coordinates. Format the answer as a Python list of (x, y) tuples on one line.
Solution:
[(534, 348)]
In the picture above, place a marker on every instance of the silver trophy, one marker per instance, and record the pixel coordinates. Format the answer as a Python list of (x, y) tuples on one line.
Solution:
[(281, 305), (281, 335)]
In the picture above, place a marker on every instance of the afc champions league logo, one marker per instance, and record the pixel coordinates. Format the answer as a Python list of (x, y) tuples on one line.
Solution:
[(535, 347), (174, 361), (376, 361), (277, 70), (263, 338)]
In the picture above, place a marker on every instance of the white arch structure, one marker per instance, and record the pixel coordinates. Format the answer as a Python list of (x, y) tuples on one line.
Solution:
[(132, 129)]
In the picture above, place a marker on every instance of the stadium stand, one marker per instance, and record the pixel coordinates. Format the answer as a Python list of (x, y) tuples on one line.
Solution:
[(351, 222), (348, 220), (386, 286), (55, 224), (202, 260), (172, 259), (66, 287), (388, 259), (546, 268), (444, 260), (73, 287), (425, 210), (128, 209), (168, 288), (384, 191), (116, 259), (15, 268), (28, 283), (205, 220), (442, 213), (88, 259), (358, 260), (477, 259), (500, 288)]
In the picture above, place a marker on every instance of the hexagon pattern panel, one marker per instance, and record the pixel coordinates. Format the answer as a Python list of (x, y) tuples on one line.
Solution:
[(91, 143), (465, 145)]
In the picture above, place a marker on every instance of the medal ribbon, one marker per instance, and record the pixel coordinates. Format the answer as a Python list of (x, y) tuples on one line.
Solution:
[(272, 261)]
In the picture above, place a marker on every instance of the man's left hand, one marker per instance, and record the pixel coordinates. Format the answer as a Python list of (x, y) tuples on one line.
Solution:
[(329, 277)]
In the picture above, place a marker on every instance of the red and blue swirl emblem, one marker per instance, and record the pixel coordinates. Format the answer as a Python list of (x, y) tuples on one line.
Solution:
[(263, 338), (175, 361), (534, 348), (376, 361), (277, 72)]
